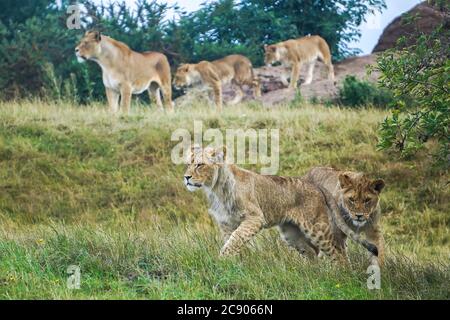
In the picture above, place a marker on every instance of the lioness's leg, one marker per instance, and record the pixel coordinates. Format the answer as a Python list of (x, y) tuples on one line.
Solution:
[(125, 99), (295, 238), (167, 95), (375, 236), (155, 95), (310, 74), (217, 91), (330, 67), (295, 75), (256, 84), (113, 100), (239, 93), (244, 233)]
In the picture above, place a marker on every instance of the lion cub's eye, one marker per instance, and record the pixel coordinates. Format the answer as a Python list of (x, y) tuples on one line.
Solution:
[(367, 200), (351, 199), (199, 165)]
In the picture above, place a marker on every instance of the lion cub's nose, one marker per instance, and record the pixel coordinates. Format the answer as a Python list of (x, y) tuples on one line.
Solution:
[(187, 177)]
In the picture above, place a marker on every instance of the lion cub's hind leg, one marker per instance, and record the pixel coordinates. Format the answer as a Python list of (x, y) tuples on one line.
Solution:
[(320, 236), (294, 237)]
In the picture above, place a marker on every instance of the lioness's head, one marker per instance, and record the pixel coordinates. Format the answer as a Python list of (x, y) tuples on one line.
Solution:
[(184, 76), (271, 54), (203, 166), (360, 197), (89, 47)]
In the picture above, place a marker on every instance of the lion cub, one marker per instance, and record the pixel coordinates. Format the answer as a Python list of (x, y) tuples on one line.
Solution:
[(243, 202), (358, 198), (235, 69)]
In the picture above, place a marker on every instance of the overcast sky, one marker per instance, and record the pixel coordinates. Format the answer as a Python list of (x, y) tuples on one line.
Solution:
[(371, 30)]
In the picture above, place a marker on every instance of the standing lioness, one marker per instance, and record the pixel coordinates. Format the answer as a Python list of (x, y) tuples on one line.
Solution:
[(235, 69), (243, 202), (297, 52), (126, 72)]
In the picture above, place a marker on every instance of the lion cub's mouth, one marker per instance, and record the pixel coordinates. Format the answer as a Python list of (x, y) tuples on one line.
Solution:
[(197, 185)]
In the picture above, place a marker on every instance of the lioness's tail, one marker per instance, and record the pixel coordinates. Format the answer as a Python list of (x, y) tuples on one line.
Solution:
[(341, 224)]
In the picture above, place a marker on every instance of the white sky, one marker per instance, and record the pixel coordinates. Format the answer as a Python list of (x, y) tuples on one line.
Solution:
[(371, 30)]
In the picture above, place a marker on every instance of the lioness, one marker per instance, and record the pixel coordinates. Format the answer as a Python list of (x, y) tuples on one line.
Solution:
[(295, 53), (358, 198), (234, 69), (126, 72), (243, 203)]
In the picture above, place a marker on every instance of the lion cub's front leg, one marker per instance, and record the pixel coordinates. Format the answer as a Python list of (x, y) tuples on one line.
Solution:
[(375, 236), (244, 233)]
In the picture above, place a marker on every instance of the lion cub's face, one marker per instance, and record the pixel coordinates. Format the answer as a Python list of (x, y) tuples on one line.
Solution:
[(89, 46), (202, 167), (271, 55), (360, 197), (183, 76)]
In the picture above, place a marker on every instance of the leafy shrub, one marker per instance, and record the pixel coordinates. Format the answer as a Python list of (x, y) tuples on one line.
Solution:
[(357, 93), (419, 77)]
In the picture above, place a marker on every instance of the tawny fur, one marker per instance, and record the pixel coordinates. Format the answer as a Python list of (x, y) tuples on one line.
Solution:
[(297, 52), (234, 69), (358, 199), (243, 203), (126, 72)]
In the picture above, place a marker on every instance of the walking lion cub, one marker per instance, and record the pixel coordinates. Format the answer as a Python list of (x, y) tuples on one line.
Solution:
[(358, 198), (243, 203)]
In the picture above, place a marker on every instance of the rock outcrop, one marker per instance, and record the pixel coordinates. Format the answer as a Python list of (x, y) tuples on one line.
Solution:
[(427, 19)]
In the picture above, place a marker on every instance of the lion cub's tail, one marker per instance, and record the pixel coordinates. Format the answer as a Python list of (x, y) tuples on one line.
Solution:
[(341, 224)]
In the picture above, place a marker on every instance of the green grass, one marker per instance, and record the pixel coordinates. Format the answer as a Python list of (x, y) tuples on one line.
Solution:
[(80, 187)]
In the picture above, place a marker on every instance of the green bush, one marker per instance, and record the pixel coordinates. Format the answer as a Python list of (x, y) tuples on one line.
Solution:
[(357, 93), (419, 77)]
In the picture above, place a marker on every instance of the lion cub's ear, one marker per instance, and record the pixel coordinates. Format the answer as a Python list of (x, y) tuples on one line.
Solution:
[(345, 181), (377, 185)]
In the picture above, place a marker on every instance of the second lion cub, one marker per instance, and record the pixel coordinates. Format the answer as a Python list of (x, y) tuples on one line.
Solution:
[(358, 198), (243, 203)]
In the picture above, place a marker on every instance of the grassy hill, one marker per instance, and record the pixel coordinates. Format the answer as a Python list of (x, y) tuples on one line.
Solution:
[(80, 187)]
